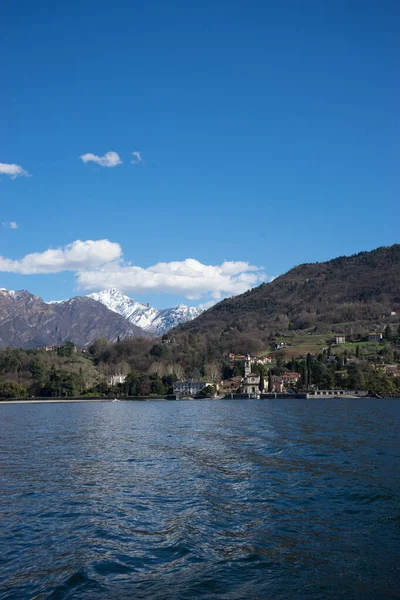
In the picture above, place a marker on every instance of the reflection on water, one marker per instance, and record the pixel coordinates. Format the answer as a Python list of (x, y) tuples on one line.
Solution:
[(227, 499)]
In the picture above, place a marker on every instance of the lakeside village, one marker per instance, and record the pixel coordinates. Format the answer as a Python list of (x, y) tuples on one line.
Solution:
[(359, 370), (251, 385), (302, 366), (341, 369), (255, 385)]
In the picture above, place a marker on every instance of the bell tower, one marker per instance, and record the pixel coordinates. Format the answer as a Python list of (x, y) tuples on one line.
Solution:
[(247, 366)]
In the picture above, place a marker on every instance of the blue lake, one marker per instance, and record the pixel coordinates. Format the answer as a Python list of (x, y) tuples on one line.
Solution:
[(183, 500)]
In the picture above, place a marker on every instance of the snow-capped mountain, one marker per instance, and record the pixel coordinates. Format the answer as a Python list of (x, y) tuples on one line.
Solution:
[(137, 313), (172, 317), (27, 321), (145, 316)]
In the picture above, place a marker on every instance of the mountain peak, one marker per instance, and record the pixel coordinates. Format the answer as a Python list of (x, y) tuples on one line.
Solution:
[(144, 315), (15, 293)]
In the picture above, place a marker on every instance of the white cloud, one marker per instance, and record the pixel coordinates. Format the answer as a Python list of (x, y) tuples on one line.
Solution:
[(189, 278), (73, 257), (138, 158), (10, 225), (110, 159), (12, 170), (99, 264)]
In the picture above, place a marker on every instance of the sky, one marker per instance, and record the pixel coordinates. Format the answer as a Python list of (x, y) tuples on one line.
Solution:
[(187, 151)]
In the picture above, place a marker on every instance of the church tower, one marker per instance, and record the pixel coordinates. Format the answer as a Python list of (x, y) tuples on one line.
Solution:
[(247, 366)]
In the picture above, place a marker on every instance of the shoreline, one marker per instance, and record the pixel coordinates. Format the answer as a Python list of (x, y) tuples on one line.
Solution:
[(163, 399)]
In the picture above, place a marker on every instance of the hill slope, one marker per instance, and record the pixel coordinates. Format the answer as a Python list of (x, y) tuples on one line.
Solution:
[(340, 295)]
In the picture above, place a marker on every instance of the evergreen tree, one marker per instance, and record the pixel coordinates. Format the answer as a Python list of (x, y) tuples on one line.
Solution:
[(270, 381), (261, 384), (388, 333)]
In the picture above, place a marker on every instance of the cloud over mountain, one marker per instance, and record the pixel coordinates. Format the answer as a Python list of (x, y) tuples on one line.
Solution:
[(189, 277), (99, 264)]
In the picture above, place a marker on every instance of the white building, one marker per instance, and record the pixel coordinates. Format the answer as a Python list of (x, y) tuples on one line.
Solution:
[(251, 383), (189, 387)]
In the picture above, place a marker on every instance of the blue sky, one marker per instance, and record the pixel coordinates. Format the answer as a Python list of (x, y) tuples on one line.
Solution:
[(267, 133)]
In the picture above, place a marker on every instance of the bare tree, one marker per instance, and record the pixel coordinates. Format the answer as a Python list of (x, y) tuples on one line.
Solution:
[(213, 371)]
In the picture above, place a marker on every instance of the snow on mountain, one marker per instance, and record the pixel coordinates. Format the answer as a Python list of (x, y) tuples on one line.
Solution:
[(145, 316), (12, 293), (171, 317), (137, 313)]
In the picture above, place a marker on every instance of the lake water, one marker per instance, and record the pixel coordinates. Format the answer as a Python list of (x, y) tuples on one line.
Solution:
[(226, 499)]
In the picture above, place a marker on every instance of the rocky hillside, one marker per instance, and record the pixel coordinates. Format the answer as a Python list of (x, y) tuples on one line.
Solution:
[(28, 322)]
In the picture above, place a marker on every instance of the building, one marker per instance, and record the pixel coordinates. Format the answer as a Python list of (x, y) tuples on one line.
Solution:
[(290, 378), (280, 345), (247, 366), (232, 358), (262, 360), (189, 387), (340, 339), (278, 385), (375, 336), (115, 379), (251, 383), (231, 385)]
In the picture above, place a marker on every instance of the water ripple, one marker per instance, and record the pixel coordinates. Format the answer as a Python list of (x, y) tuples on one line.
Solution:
[(227, 500)]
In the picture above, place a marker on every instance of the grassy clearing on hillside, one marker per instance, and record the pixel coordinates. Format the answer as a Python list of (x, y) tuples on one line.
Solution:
[(300, 346)]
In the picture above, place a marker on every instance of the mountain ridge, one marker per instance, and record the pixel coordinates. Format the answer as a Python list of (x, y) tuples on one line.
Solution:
[(28, 321), (150, 319)]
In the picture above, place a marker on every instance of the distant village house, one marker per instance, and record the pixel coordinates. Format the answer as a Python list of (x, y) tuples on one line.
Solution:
[(375, 336), (280, 345), (234, 358), (290, 378)]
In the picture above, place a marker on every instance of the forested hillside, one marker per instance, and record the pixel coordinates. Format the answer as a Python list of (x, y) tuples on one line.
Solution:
[(345, 295)]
